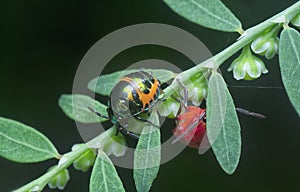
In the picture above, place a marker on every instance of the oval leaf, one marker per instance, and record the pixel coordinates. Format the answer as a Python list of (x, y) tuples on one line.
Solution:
[(225, 140), (147, 156), (105, 83), (77, 107), (289, 60), (216, 105), (104, 176), (21, 143), (212, 14)]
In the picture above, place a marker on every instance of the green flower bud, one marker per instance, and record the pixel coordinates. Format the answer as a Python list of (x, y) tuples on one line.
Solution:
[(267, 43), (296, 20), (247, 66), (85, 161), (197, 88), (197, 93), (115, 145), (60, 180), (169, 108)]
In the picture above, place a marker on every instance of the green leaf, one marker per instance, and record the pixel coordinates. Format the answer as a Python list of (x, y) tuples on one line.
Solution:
[(216, 103), (21, 143), (212, 14), (77, 107), (104, 176), (289, 60), (105, 83), (223, 128), (147, 156)]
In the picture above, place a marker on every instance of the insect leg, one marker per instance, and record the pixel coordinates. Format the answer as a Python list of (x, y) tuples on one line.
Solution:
[(185, 93), (126, 132), (146, 121), (97, 113)]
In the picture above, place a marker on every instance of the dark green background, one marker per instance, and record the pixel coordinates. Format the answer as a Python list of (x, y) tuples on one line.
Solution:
[(43, 42)]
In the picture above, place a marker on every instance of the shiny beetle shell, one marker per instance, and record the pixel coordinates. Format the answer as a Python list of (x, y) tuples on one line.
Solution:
[(133, 96)]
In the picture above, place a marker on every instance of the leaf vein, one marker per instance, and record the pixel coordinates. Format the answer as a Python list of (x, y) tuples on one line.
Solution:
[(103, 175), (210, 13), (25, 144), (147, 159)]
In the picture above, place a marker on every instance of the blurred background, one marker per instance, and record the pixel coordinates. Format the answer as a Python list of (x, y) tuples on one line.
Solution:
[(43, 42)]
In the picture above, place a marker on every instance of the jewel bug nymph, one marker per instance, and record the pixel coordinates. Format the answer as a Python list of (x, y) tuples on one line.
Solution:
[(132, 97)]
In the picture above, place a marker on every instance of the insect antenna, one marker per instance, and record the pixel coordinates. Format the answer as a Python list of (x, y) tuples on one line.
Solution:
[(257, 87), (249, 113)]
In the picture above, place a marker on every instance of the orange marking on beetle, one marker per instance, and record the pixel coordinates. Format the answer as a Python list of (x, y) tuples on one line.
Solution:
[(145, 98)]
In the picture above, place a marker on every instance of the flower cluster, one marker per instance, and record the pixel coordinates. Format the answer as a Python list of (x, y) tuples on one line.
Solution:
[(247, 66), (196, 88), (60, 180), (115, 145), (85, 161), (267, 43)]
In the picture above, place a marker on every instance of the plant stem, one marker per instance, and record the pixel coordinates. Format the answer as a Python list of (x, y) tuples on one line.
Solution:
[(250, 34), (66, 160)]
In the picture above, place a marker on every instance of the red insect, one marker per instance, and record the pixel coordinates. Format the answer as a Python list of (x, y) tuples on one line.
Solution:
[(191, 126)]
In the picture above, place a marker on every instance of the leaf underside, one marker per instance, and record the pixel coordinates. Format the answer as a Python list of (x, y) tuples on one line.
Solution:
[(23, 144), (223, 130), (77, 107), (212, 14), (147, 156), (104, 177), (289, 60)]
